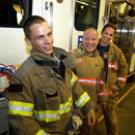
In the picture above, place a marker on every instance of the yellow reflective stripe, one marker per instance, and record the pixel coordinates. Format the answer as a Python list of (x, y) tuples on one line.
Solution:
[(42, 132), (20, 108), (54, 115), (66, 107), (83, 99), (47, 116), (73, 79)]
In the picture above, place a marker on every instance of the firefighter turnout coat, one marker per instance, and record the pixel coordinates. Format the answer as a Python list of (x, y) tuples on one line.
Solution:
[(42, 94), (115, 76), (89, 71), (117, 68)]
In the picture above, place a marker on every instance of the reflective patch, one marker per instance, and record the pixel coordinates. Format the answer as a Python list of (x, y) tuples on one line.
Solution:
[(83, 99), (88, 81), (21, 108), (122, 79), (42, 132)]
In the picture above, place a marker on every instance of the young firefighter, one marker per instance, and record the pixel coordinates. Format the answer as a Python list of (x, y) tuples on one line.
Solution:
[(115, 75), (43, 90)]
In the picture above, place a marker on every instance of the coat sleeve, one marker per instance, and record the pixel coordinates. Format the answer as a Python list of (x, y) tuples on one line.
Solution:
[(102, 91), (21, 107), (80, 97), (122, 71)]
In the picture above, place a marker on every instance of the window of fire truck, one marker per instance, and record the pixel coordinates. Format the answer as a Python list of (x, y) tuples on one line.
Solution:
[(13, 13), (86, 14)]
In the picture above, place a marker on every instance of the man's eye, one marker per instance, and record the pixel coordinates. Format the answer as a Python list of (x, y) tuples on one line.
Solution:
[(40, 37), (111, 35), (49, 34)]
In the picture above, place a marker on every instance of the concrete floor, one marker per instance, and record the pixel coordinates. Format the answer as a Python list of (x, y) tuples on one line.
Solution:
[(126, 113)]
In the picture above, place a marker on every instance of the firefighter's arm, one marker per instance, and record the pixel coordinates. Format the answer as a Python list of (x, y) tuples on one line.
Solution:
[(102, 91), (21, 109), (91, 118), (77, 53), (83, 101), (24, 125), (81, 98), (122, 71)]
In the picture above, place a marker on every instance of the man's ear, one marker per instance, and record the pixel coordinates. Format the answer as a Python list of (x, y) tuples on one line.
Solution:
[(27, 41), (28, 45), (97, 41)]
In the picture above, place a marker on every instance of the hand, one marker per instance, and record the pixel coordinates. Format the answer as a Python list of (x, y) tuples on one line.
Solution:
[(104, 106), (78, 61), (74, 125), (91, 118), (2, 90), (77, 122), (115, 90)]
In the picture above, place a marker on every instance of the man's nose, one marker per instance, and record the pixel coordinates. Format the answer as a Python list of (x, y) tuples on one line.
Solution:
[(109, 36), (90, 41), (46, 38)]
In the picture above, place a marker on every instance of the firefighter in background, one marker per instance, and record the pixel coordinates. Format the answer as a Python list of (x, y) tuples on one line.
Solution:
[(89, 71), (115, 74), (43, 90)]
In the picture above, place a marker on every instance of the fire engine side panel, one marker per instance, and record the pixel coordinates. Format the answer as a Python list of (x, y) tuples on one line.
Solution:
[(13, 47)]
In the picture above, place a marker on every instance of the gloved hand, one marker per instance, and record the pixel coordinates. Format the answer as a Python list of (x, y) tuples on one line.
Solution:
[(74, 125), (77, 122), (103, 97), (104, 105), (115, 90), (91, 118)]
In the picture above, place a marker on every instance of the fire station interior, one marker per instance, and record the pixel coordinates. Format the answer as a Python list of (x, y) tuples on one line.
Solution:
[(122, 14), (119, 12)]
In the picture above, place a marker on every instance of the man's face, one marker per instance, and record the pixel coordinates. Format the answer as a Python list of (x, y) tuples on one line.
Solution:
[(107, 35), (41, 38), (90, 40)]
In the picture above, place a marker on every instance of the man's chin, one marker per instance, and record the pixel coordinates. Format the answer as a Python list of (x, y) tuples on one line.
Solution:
[(90, 51), (49, 52)]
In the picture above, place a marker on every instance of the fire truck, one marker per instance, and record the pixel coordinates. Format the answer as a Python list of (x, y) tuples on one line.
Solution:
[(68, 19)]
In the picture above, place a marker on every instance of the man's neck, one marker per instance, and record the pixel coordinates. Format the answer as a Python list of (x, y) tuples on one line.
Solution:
[(91, 53), (103, 44)]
